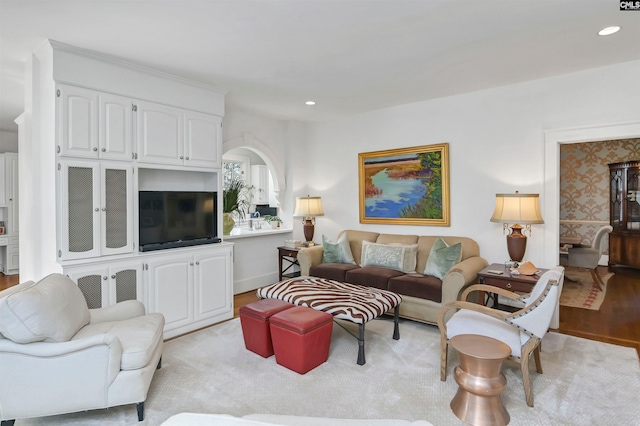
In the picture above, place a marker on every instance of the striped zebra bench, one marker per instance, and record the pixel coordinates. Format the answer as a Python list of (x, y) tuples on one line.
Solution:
[(350, 302)]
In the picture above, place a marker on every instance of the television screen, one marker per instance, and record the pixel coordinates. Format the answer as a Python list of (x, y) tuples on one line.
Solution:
[(177, 219)]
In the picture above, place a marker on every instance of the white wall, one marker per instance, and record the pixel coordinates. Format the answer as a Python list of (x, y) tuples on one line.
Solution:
[(255, 259), (496, 143), (8, 141)]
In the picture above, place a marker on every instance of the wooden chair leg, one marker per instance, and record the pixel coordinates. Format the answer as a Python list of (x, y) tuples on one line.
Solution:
[(444, 349), (536, 358), (526, 379), (597, 279)]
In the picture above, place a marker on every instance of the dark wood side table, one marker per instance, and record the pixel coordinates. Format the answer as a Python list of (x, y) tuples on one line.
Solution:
[(517, 283), (289, 255)]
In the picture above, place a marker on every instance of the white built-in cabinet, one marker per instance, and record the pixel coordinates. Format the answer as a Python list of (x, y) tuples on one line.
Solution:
[(260, 180), (103, 140), (9, 240), (3, 187), (96, 202), (173, 136), (107, 283), (186, 287)]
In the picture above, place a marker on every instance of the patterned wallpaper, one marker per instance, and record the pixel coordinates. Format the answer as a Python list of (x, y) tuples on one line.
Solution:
[(584, 184)]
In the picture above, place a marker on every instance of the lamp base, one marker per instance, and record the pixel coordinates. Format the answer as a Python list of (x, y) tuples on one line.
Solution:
[(308, 229), (516, 243)]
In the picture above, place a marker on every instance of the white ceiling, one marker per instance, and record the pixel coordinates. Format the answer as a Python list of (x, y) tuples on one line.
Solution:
[(349, 56)]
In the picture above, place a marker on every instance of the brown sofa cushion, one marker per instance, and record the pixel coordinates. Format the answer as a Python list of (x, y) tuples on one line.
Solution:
[(372, 276), (421, 286), (332, 271)]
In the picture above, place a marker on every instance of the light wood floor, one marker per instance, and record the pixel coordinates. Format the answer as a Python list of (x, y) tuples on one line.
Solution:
[(617, 321)]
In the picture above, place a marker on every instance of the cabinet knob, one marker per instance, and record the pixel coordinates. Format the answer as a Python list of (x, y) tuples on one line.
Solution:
[(97, 209), (508, 285), (105, 278), (113, 277), (104, 209), (95, 148), (197, 263), (191, 263), (104, 150), (182, 157), (187, 158)]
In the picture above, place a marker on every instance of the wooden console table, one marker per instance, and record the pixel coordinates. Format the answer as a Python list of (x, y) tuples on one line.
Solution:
[(289, 255)]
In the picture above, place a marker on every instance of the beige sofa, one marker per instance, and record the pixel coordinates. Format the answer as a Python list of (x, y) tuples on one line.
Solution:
[(422, 295)]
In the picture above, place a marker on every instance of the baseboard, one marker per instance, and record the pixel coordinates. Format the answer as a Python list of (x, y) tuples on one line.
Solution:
[(254, 283)]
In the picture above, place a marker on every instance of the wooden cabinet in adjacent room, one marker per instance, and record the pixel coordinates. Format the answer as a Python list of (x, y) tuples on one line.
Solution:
[(624, 240)]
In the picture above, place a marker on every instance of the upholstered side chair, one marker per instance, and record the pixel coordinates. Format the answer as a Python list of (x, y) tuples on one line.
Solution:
[(522, 330), (589, 257), (58, 356)]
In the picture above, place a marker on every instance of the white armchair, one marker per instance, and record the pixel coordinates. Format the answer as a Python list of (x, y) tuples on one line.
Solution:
[(522, 330), (57, 356)]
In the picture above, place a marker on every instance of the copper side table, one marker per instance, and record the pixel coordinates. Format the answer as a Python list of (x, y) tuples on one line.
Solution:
[(480, 380)]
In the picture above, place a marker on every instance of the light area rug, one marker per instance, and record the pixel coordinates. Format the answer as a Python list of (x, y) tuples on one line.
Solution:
[(210, 371), (580, 291)]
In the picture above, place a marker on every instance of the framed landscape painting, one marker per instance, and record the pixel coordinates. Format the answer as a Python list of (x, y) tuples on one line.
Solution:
[(407, 186)]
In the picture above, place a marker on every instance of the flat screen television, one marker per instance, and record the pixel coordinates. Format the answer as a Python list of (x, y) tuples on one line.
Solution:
[(170, 219)]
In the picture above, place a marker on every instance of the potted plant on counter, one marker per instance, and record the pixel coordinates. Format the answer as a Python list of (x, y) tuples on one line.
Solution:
[(235, 201), (274, 221)]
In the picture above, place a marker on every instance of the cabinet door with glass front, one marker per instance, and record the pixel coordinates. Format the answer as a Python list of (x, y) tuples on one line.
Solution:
[(625, 196), (624, 240), (96, 209)]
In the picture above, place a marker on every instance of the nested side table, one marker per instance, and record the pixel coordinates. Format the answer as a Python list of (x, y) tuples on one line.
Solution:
[(480, 380)]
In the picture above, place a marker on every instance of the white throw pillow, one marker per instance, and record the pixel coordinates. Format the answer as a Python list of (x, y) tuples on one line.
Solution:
[(51, 310), (401, 257)]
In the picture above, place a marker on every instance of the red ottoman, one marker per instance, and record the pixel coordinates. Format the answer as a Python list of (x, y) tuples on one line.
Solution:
[(301, 337), (254, 319)]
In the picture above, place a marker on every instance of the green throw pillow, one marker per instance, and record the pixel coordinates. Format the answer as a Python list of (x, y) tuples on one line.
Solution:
[(338, 252), (442, 257)]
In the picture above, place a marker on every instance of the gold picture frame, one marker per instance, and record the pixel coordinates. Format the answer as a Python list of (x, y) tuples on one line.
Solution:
[(406, 186)]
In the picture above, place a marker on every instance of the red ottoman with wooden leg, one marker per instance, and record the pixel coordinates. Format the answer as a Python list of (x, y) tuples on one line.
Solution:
[(254, 319), (301, 337)]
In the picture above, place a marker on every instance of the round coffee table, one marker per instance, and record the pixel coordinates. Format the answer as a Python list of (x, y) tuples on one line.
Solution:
[(480, 380)]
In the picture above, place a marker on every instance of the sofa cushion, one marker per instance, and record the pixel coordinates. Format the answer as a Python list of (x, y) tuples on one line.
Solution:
[(401, 257), (139, 337), (332, 271), (372, 276), (338, 252), (51, 310), (442, 258), (417, 285)]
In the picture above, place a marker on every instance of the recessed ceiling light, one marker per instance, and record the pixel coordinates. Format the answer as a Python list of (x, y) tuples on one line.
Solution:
[(609, 31), (310, 103)]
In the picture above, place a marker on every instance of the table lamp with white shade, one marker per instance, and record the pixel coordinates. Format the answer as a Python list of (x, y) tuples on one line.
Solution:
[(517, 209), (308, 208)]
